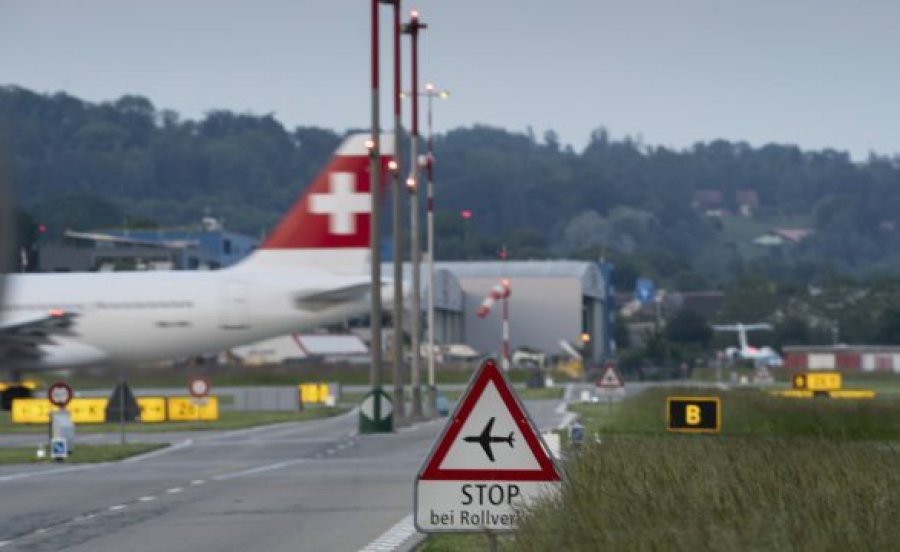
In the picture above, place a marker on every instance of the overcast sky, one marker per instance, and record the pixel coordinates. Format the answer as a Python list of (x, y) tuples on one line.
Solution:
[(818, 73)]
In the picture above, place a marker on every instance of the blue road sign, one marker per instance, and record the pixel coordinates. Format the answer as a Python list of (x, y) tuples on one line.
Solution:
[(58, 449), (646, 291)]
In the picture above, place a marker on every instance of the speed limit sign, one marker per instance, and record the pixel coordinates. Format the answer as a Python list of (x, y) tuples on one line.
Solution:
[(60, 393), (198, 387)]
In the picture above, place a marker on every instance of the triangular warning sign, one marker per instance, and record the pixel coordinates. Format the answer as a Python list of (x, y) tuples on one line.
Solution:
[(610, 377), (489, 437)]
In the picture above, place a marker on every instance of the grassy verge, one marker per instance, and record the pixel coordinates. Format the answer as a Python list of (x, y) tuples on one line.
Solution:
[(750, 412), (702, 493), (783, 475), (83, 454), (227, 420)]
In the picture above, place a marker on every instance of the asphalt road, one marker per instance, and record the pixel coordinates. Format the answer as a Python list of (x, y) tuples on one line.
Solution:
[(312, 486)]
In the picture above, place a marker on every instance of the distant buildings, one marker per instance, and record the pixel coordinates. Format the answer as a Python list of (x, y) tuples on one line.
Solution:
[(206, 247)]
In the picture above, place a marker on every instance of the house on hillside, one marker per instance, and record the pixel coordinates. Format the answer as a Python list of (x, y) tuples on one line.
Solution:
[(782, 236), (747, 202)]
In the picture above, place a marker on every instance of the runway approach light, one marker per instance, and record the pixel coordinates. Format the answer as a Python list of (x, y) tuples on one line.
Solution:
[(392, 165), (585, 337), (411, 184)]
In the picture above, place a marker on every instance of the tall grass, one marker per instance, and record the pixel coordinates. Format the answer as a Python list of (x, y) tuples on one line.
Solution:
[(751, 412), (783, 475), (708, 493)]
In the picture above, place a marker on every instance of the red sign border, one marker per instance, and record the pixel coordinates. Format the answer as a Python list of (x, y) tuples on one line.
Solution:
[(488, 372), (56, 385), (191, 387), (618, 376)]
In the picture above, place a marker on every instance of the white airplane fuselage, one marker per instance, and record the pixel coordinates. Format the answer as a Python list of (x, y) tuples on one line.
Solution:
[(145, 316)]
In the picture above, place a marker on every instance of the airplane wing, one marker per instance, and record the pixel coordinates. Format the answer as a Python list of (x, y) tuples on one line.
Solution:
[(725, 327), (22, 333), (321, 300), (758, 327)]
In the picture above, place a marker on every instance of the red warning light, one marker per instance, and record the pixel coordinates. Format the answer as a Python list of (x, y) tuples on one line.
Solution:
[(466, 214)]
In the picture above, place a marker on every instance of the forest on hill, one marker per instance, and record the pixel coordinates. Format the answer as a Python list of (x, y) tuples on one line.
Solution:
[(687, 217)]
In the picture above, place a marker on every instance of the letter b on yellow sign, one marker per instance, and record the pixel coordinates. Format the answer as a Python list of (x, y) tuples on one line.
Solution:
[(693, 414)]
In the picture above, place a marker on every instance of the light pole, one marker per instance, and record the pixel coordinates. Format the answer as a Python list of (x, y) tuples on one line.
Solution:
[(375, 414), (431, 92), (397, 224), (427, 162), (412, 29)]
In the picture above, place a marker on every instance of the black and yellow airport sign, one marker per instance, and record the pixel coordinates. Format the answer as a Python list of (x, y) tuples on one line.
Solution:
[(693, 414), (817, 381)]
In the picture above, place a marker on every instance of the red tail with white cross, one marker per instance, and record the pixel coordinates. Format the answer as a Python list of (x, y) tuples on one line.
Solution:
[(330, 223)]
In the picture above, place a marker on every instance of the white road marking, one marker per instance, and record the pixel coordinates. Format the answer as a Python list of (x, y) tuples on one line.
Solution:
[(147, 499), (174, 490), (393, 537), (118, 507), (4, 543), (329, 451), (196, 482), (260, 469), (25, 475), (561, 409), (160, 452), (570, 417)]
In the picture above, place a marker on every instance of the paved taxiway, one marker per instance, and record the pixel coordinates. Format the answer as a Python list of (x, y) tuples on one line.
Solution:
[(300, 486)]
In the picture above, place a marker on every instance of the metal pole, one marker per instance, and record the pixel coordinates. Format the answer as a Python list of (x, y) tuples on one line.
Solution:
[(375, 374), (429, 210), (397, 238), (413, 29)]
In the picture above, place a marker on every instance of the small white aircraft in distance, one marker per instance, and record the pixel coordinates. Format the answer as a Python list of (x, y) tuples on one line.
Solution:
[(313, 269), (760, 355)]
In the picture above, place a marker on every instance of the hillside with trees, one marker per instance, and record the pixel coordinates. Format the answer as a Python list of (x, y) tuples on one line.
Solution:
[(687, 218)]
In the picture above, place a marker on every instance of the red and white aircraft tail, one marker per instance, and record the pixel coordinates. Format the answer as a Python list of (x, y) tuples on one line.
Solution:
[(329, 226)]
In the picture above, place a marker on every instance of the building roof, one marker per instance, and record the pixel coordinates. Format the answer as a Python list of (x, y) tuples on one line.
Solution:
[(518, 269), (588, 273)]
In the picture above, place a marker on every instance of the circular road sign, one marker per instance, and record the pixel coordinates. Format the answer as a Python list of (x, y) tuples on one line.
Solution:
[(198, 387), (60, 393)]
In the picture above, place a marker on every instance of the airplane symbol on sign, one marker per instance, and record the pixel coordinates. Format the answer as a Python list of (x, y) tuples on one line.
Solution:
[(485, 439)]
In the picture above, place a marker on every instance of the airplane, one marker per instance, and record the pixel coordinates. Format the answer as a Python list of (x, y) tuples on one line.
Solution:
[(485, 439), (760, 355), (312, 270)]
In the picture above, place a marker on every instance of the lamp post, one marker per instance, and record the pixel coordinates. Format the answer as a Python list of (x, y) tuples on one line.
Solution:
[(412, 29), (427, 162), (431, 92), (375, 375), (397, 225), (375, 412)]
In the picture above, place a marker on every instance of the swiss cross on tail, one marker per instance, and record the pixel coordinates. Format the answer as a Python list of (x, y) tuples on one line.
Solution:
[(486, 464), (335, 210)]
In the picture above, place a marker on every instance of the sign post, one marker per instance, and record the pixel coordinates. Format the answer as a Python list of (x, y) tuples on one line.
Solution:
[(198, 387), (487, 463), (611, 384), (59, 394)]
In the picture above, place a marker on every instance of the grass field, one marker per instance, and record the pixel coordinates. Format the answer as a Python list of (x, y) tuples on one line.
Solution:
[(227, 420), (82, 455), (783, 475)]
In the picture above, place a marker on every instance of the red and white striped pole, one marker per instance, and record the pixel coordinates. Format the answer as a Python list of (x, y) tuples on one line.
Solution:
[(499, 292)]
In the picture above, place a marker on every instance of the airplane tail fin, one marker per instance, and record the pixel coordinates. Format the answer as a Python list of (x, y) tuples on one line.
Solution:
[(329, 225), (510, 439)]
